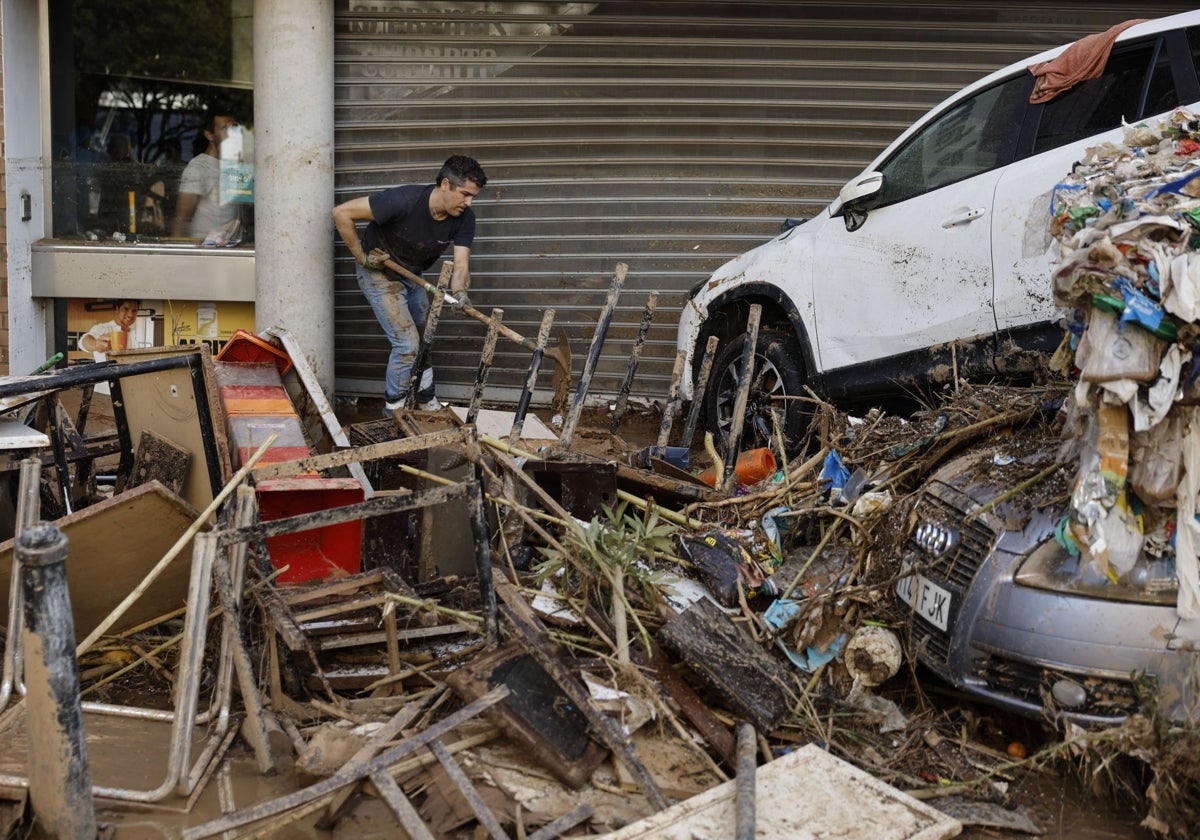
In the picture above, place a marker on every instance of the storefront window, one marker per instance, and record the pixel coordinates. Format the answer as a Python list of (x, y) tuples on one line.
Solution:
[(151, 121)]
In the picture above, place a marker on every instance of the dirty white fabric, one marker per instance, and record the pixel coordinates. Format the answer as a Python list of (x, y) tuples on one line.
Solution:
[(1162, 395), (1181, 290), (1187, 534)]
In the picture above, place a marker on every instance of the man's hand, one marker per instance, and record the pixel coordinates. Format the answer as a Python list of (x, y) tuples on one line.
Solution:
[(460, 300), (374, 261)]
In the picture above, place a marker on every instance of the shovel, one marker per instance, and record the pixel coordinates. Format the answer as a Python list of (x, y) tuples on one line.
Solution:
[(561, 354)]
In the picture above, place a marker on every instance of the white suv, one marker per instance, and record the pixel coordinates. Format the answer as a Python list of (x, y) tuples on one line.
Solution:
[(935, 261)]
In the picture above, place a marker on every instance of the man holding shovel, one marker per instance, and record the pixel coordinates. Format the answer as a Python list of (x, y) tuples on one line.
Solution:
[(412, 225)]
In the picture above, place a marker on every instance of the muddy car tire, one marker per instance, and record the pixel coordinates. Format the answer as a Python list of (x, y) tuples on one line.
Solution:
[(779, 372)]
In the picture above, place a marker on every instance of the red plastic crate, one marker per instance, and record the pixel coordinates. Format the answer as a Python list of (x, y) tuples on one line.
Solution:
[(245, 346), (318, 553)]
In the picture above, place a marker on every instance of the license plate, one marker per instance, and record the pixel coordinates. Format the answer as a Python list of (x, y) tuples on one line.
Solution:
[(927, 599)]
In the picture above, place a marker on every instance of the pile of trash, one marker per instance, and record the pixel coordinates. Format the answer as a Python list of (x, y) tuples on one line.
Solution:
[(1128, 222), (416, 620)]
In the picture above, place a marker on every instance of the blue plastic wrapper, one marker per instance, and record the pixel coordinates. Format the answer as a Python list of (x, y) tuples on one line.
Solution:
[(781, 613), (810, 659), (1138, 307), (834, 471)]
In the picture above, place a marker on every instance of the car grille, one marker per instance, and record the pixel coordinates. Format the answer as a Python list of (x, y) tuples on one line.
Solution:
[(1106, 697), (957, 567)]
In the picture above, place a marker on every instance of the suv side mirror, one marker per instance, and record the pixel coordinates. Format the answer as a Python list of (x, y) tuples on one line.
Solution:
[(857, 192)]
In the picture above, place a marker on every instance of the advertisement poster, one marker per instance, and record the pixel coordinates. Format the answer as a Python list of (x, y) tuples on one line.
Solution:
[(96, 326)]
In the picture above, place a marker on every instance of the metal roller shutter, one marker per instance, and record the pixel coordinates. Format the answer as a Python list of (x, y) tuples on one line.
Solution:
[(670, 136)]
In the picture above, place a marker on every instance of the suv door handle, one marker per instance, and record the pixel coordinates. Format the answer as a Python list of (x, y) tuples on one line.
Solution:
[(963, 218)]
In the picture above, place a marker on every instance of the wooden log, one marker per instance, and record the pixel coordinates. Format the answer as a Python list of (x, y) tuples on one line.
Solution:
[(754, 684)]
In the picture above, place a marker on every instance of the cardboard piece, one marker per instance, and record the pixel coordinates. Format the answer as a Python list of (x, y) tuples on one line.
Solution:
[(498, 424), (807, 794), (165, 403), (113, 544)]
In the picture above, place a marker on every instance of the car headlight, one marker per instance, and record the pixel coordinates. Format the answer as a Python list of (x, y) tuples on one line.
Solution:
[(1151, 580)]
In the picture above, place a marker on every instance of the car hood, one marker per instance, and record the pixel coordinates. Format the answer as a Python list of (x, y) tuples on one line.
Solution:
[(988, 473), (775, 261)]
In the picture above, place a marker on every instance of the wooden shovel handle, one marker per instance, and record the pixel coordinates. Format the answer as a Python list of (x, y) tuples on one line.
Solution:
[(507, 332)]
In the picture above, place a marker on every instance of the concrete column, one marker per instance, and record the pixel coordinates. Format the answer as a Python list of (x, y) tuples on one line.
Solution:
[(26, 149), (293, 175)]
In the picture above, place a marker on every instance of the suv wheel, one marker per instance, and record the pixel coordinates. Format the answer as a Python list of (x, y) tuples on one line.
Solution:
[(778, 372)]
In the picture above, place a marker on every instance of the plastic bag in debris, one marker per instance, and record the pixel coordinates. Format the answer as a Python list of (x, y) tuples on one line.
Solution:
[(1139, 308), (726, 565), (802, 578), (1149, 410), (812, 658), (833, 472), (775, 525), (1117, 539), (1181, 287)]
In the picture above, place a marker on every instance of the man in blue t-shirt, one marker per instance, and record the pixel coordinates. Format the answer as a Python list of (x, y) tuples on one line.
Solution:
[(413, 225)]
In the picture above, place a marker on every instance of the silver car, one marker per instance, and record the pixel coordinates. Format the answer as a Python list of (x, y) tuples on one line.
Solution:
[(1003, 612)]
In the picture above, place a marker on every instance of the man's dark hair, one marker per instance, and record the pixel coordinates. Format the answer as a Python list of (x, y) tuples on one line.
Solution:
[(459, 169), (212, 112)]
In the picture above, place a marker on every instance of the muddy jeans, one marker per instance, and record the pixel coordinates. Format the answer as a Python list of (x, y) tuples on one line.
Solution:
[(401, 309)]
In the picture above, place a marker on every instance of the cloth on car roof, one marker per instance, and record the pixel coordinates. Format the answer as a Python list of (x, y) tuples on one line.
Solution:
[(1082, 60)]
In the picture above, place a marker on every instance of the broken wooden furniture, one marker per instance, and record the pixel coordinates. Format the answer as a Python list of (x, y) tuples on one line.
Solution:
[(165, 391), (468, 490), (377, 769), (757, 686), (344, 636)]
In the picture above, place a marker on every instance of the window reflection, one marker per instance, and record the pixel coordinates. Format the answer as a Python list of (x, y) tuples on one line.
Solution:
[(135, 155)]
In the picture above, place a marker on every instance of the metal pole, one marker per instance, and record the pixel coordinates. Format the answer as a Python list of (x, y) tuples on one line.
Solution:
[(746, 782), (60, 780), (634, 358), (28, 512), (743, 395), (589, 367)]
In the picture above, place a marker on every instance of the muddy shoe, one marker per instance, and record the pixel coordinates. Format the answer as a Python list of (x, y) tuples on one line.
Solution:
[(389, 407)]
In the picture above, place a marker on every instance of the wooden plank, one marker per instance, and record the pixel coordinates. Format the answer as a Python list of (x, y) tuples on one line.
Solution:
[(160, 459), (113, 545), (403, 810), (482, 813), (757, 686), (370, 452)]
